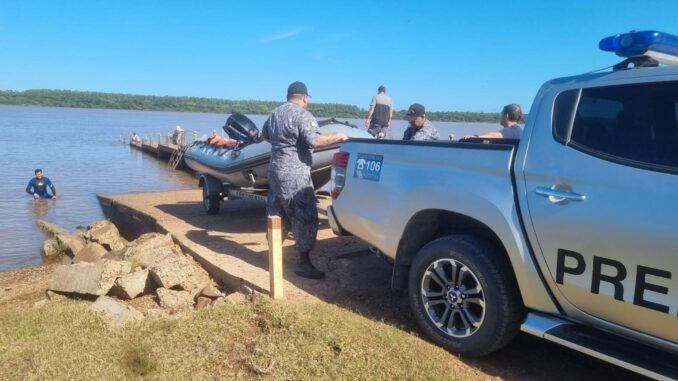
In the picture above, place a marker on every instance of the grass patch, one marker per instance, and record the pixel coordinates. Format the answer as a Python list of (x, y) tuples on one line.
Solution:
[(60, 248), (250, 340), (138, 359), (54, 249)]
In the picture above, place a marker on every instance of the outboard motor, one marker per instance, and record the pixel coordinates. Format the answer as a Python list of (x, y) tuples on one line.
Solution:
[(240, 127)]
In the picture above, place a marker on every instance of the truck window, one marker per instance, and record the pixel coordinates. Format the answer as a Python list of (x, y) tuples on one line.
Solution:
[(630, 124), (563, 112)]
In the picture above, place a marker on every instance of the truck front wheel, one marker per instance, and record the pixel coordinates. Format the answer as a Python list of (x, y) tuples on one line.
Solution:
[(463, 296)]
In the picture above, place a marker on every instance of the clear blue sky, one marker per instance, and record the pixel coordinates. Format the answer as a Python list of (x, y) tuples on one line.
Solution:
[(448, 55)]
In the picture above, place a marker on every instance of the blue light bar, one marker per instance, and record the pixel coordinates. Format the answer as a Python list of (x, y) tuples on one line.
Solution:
[(661, 46)]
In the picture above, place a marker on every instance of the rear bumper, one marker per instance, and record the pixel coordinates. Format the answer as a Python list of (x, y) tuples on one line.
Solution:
[(334, 223)]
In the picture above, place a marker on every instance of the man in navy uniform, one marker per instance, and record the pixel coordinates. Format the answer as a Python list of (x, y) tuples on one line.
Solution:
[(293, 134), (38, 186), (420, 128)]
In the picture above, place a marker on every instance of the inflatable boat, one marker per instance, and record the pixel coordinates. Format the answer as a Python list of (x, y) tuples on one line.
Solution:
[(245, 164)]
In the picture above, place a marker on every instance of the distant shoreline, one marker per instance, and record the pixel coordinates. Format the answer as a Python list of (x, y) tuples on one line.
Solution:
[(99, 100)]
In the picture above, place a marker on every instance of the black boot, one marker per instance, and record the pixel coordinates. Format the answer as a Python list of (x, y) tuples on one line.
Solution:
[(306, 269)]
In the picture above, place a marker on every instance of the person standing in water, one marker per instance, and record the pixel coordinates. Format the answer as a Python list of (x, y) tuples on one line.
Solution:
[(38, 186)]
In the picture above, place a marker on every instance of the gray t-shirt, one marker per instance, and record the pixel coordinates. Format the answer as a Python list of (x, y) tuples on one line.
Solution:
[(513, 132), (382, 109)]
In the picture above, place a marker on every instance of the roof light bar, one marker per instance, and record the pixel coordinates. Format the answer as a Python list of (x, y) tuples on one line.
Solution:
[(663, 47)]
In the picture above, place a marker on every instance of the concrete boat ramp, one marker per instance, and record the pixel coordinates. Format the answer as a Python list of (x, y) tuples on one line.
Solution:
[(232, 246)]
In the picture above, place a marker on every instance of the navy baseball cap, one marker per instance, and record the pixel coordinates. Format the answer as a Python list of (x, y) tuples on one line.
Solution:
[(416, 110), (297, 88)]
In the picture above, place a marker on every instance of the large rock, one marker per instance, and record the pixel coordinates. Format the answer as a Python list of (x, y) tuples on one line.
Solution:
[(107, 234), (80, 233), (151, 248), (51, 248), (174, 299), (72, 242), (50, 229), (172, 271), (116, 313), (88, 278), (116, 255), (234, 298), (202, 302), (211, 292), (196, 282), (131, 285), (92, 253)]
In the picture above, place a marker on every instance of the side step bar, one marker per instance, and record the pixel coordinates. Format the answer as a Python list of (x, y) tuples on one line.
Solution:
[(626, 353)]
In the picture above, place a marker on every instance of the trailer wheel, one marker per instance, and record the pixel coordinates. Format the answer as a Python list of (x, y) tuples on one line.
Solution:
[(210, 203), (464, 297)]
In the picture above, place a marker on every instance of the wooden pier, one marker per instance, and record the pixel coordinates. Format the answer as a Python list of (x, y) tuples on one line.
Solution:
[(162, 150)]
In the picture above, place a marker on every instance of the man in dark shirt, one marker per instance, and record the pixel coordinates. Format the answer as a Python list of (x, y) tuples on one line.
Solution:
[(38, 186), (380, 114)]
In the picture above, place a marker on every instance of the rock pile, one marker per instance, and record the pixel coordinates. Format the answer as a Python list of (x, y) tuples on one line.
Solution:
[(99, 262)]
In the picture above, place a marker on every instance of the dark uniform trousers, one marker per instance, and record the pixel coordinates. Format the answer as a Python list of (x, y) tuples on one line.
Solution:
[(291, 197)]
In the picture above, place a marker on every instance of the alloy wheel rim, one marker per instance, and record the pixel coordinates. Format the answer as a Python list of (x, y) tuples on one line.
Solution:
[(453, 298)]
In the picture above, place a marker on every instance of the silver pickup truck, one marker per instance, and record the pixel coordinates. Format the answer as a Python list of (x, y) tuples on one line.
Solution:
[(570, 234)]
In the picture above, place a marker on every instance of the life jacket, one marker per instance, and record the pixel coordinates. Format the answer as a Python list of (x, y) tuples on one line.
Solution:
[(226, 142)]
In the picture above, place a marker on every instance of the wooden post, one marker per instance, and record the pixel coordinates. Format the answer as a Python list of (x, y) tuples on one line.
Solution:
[(169, 138), (159, 138), (275, 256), (195, 136), (182, 136)]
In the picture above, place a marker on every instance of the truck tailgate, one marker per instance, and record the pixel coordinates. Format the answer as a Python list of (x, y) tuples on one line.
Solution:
[(379, 199)]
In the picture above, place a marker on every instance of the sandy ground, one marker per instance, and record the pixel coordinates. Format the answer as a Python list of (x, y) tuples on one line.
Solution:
[(25, 286), (356, 279)]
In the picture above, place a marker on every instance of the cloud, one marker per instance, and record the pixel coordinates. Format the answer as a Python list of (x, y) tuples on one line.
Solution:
[(282, 36), (322, 56)]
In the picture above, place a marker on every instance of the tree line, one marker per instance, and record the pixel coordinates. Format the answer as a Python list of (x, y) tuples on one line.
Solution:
[(99, 100)]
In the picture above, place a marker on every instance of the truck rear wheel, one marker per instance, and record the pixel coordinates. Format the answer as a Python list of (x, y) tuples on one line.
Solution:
[(210, 203), (463, 296)]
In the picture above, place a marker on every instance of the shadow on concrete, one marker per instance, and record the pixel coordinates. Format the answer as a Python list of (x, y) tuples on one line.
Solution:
[(359, 281)]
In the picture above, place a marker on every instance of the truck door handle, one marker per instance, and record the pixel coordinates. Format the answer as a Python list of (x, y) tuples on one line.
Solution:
[(559, 194)]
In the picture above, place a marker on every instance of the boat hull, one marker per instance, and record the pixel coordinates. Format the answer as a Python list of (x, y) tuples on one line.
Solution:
[(247, 167)]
